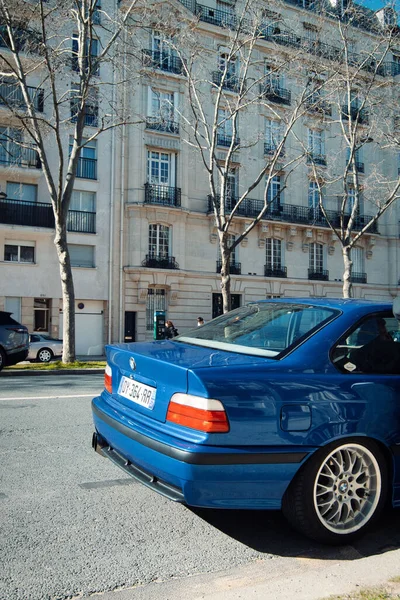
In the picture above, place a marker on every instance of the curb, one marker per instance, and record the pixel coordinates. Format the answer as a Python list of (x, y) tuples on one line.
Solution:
[(27, 372)]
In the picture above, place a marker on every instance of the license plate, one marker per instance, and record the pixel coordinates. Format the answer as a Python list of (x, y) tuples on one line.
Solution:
[(140, 393)]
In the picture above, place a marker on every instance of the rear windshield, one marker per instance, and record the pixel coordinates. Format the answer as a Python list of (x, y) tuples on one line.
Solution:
[(5, 319), (266, 329)]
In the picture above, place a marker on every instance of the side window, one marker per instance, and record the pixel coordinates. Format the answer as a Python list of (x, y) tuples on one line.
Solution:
[(372, 347)]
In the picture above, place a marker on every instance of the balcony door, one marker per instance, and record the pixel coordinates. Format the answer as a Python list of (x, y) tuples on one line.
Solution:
[(23, 192), (161, 168)]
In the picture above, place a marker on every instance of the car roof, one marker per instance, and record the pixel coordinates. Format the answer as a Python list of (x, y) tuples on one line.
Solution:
[(343, 304)]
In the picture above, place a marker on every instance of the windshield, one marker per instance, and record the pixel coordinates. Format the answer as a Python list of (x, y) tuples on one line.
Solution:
[(265, 329)]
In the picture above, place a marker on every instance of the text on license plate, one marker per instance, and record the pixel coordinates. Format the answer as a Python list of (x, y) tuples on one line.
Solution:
[(140, 393)]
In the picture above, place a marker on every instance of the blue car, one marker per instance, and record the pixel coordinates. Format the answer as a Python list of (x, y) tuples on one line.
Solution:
[(289, 404)]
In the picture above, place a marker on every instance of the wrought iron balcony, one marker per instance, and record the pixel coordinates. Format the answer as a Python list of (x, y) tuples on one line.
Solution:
[(318, 159), (291, 213), (235, 268), (165, 61), (221, 18), (226, 140), (13, 155), (40, 214), (86, 168), (320, 274), (91, 114), (270, 148), (355, 113), (158, 261), (25, 39), (275, 94), (11, 95), (316, 105), (275, 271), (231, 82), (162, 194), (358, 277), (159, 124)]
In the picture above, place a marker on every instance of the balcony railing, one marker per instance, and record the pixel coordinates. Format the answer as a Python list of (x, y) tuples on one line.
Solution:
[(316, 105), (275, 271), (40, 214), (318, 159), (164, 61), (159, 124), (226, 140), (25, 40), (86, 168), (162, 194), (358, 277), (291, 213), (231, 82), (221, 18), (354, 113), (275, 94), (91, 114), (13, 155), (235, 268), (158, 261), (320, 274), (270, 148), (11, 95)]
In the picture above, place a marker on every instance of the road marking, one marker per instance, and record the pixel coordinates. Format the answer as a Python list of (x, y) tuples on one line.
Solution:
[(48, 397)]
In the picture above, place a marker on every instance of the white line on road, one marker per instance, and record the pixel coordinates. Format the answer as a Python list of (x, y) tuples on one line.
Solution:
[(49, 397)]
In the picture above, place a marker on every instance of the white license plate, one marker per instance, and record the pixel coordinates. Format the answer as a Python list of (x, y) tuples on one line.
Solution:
[(140, 393)]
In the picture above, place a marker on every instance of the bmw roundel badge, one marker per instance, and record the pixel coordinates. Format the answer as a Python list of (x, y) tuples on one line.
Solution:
[(132, 363)]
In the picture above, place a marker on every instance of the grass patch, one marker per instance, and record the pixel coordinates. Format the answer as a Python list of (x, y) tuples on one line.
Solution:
[(58, 365)]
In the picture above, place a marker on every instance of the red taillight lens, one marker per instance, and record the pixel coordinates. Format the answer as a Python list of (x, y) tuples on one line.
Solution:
[(195, 412), (108, 379)]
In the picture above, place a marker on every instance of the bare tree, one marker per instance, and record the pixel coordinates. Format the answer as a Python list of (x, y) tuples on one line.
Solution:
[(46, 42), (353, 96)]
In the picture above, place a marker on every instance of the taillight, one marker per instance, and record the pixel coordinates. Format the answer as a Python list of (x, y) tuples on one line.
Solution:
[(108, 379), (195, 412)]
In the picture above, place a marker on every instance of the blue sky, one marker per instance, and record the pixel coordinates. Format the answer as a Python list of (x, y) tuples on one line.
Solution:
[(374, 4)]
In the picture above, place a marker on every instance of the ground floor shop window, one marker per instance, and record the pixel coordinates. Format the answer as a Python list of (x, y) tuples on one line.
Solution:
[(41, 316), (156, 300)]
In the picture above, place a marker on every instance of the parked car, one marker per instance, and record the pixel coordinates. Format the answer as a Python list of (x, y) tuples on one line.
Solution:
[(14, 342), (43, 348), (289, 404)]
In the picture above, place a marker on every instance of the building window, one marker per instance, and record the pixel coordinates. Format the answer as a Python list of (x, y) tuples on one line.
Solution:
[(14, 151), (83, 201), (225, 61), (274, 79), (89, 60), (316, 258), (156, 300), (41, 314), (273, 135), (273, 253), (233, 255), (224, 127), (24, 192), (357, 258), (316, 145), (314, 199), (161, 168), (20, 252), (91, 109), (217, 304), (159, 241), (275, 193), (87, 163), (81, 256)]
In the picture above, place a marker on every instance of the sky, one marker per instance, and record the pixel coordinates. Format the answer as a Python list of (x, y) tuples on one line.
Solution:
[(375, 4)]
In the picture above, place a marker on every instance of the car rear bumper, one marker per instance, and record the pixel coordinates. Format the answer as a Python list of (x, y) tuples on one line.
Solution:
[(13, 357), (203, 476)]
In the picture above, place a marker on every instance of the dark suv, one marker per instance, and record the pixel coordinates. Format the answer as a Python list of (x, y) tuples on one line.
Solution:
[(14, 340)]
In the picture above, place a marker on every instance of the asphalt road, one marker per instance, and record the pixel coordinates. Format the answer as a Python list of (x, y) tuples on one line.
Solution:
[(72, 524)]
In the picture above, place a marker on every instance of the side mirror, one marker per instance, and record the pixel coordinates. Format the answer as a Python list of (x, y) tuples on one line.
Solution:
[(396, 307)]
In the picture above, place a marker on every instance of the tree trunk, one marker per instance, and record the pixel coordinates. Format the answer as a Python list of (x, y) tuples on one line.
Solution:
[(348, 264), (225, 277), (68, 292)]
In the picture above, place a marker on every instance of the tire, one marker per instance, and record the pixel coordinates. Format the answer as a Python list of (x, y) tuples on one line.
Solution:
[(44, 355), (339, 493), (2, 359)]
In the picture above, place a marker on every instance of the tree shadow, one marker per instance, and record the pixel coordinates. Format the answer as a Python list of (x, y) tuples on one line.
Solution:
[(269, 533)]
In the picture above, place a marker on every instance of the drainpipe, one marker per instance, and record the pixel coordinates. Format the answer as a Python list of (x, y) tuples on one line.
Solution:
[(122, 196)]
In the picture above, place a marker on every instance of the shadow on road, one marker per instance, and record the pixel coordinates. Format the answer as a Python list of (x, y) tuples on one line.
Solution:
[(268, 532)]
